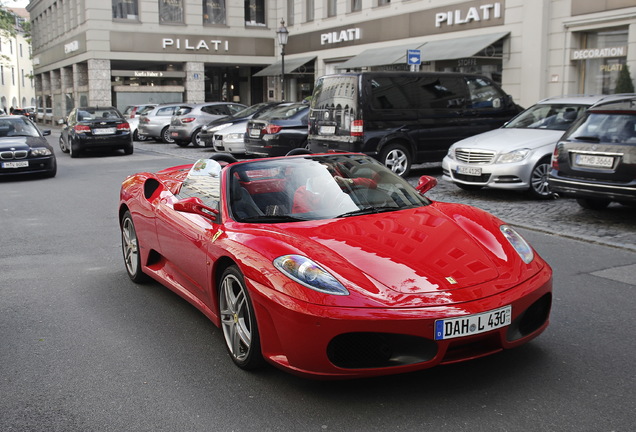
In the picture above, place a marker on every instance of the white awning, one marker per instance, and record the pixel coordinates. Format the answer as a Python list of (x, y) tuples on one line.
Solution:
[(380, 56), (290, 66)]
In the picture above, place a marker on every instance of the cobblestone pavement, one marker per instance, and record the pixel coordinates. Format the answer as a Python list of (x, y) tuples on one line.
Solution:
[(615, 226)]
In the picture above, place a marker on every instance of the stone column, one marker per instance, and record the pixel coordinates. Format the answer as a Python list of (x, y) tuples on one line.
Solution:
[(99, 91), (195, 82)]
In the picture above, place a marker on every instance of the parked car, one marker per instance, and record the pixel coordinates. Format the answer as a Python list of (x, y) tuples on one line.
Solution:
[(402, 118), (24, 111), (208, 131), (133, 111), (231, 139), (95, 128), (23, 148), (154, 123), (307, 262), (278, 131), (517, 155), (187, 121), (595, 161)]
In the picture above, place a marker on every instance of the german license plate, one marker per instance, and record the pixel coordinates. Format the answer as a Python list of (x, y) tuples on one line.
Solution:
[(255, 133), (595, 161), (327, 130), (473, 324), (104, 131), (468, 170), (20, 164), (174, 134)]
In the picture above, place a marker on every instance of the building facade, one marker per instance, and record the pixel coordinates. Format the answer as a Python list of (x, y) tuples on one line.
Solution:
[(17, 89), (122, 52)]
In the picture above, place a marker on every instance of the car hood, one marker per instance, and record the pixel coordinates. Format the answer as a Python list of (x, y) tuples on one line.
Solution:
[(506, 139), (21, 143), (433, 255)]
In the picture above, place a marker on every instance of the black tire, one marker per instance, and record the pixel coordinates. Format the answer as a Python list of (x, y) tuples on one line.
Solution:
[(130, 250), (195, 139), (397, 158), (129, 149), (238, 322), (137, 137), (593, 203), (182, 143), (63, 145), (74, 149), (165, 136), (539, 187)]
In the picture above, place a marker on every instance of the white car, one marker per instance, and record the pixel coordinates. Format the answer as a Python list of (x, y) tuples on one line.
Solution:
[(230, 138), (517, 155)]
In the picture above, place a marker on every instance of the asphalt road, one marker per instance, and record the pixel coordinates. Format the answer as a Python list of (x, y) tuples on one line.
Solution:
[(82, 348)]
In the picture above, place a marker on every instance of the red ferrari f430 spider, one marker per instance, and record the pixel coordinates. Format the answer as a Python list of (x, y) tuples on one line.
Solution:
[(331, 266)]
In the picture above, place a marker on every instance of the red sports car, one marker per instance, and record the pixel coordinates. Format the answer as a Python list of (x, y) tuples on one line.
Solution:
[(332, 266)]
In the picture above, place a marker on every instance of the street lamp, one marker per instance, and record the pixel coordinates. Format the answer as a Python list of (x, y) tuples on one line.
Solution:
[(283, 35)]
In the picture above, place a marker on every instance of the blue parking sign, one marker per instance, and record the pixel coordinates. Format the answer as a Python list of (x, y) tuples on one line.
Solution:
[(413, 57)]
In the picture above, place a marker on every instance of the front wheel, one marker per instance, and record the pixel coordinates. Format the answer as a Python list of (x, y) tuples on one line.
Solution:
[(397, 159), (238, 322), (130, 249), (539, 187), (165, 136), (63, 145)]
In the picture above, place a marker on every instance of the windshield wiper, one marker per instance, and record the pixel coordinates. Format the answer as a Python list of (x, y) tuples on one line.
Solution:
[(588, 138), (273, 218), (368, 210)]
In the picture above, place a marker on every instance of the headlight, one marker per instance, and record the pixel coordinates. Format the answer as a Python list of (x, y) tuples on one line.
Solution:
[(308, 273), (40, 151), (451, 152), (513, 156), (521, 246)]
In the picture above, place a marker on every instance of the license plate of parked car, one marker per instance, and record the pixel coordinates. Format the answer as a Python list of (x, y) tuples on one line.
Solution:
[(468, 170), (20, 164), (255, 133), (327, 130), (595, 161), (104, 131), (473, 324)]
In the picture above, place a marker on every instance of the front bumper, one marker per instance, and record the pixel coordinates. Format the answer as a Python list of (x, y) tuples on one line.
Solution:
[(121, 140), (512, 176), (329, 342), (40, 165), (230, 146)]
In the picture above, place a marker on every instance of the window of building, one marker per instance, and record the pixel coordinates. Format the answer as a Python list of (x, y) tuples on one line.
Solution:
[(383, 2), (290, 12), (213, 11), (125, 9), (171, 11), (356, 5), (605, 56), (309, 4), (255, 12), (2, 74), (332, 8)]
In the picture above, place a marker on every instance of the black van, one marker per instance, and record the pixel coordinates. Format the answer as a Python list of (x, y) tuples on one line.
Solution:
[(402, 118)]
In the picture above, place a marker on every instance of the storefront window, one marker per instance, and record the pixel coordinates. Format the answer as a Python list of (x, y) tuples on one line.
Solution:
[(125, 9), (601, 59), (171, 11), (214, 11), (255, 12)]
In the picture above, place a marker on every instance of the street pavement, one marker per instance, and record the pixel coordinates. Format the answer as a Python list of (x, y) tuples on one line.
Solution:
[(615, 226)]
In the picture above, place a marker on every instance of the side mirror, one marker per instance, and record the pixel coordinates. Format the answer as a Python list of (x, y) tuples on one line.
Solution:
[(46, 132), (61, 121), (425, 184), (194, 205)]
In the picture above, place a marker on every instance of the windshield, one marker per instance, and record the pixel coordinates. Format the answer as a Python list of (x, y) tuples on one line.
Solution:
[(17, 126), (316, 187), (547, 116)]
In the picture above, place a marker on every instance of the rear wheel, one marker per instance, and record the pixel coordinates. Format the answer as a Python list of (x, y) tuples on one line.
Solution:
[(63, 145), (74, 149), (593, 203), (182, 143), (539, 187), (238, 322), (129, 149), (165, 136), (196, 138), (397, 159)]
